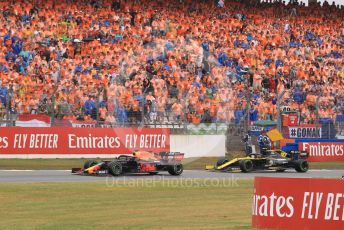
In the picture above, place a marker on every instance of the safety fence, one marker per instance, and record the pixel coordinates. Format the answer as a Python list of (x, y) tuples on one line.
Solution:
[(175, 128), (325, 128)]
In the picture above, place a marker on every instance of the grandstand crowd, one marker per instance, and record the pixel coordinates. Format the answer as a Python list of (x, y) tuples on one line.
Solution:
[(171, 60)]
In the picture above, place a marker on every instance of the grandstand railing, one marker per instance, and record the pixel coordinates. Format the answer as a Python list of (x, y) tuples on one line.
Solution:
[(183, 127), (174, 127)]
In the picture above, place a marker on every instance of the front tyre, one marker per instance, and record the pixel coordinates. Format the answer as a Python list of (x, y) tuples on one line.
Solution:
[(301, 166), (246, 166), (115, 168), (176, 169)]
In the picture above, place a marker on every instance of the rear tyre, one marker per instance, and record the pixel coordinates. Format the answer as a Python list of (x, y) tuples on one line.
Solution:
[(221, 161), (90, 163), (115, 168), (301, 166), (175, 169), (246, 166)]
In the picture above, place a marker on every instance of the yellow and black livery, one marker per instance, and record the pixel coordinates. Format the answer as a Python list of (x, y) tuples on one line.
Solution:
[(277, 160)]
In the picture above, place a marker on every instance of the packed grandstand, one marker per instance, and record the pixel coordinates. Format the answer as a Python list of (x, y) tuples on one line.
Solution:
[(171, 60)]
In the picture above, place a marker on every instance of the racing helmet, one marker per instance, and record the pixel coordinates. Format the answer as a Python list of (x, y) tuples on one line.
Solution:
[(260, 138)]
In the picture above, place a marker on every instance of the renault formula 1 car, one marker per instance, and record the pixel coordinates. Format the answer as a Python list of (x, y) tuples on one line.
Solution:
[(139, 162), (271, 159)]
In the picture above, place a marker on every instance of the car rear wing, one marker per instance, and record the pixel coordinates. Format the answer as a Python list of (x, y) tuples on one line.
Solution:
[(171, 156)]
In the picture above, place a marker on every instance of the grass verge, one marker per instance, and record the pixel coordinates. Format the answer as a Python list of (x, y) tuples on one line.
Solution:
[(157, 205)]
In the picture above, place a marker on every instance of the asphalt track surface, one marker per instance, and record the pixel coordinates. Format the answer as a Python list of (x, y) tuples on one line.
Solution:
[(30, 176)]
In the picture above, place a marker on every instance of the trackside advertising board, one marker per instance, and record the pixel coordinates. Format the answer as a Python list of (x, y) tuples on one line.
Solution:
[(298, 203), (323, 151), (67, 140), (305, 131)]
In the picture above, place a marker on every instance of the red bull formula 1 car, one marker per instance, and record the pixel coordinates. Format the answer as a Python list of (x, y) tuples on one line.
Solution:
[(139, 162)]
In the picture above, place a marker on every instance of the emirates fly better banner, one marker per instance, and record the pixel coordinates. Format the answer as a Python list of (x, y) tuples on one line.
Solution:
[(295, 203), (16, 140), (323, 151)]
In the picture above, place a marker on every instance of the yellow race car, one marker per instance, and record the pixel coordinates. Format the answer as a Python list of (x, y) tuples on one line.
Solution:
[(271, 160)]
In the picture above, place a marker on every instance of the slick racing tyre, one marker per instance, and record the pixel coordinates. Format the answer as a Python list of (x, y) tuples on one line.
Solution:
[(301, 166), (115, 168), (221, 161), (90, 163), (246, 166), (175, 169)]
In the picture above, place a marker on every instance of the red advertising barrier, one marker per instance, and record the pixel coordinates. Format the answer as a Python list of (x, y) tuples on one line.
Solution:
[(295, 203), (67, 140), (323, 151)]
